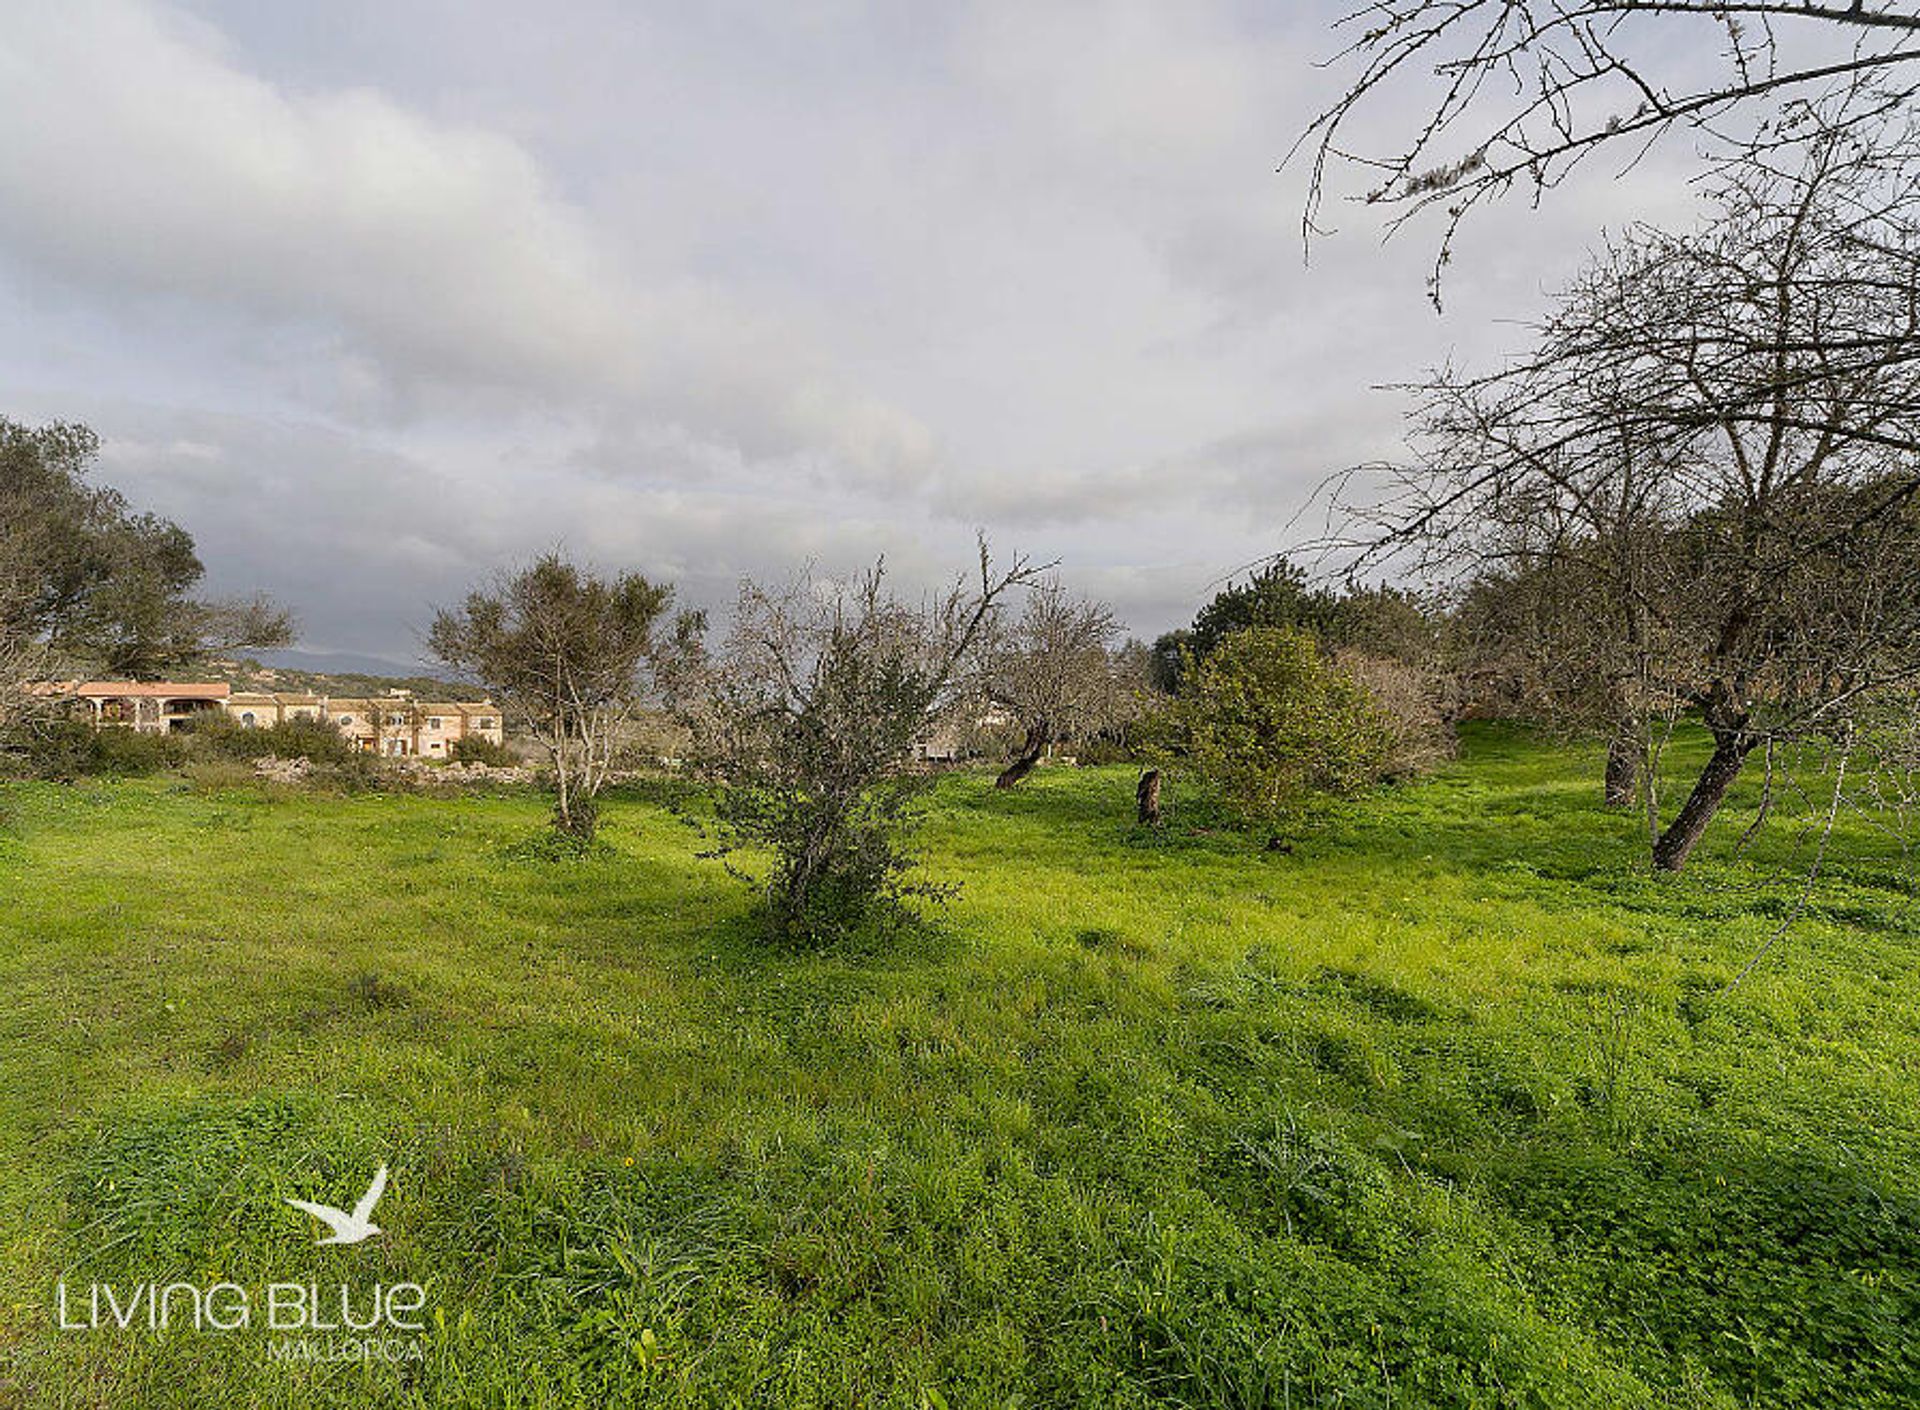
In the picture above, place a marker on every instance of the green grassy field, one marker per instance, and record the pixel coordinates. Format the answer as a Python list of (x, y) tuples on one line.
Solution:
[(1446, 1107)]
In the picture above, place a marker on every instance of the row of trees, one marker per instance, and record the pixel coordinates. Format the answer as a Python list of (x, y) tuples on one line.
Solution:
[(1627, 556), (1697, 492), (805, 717)]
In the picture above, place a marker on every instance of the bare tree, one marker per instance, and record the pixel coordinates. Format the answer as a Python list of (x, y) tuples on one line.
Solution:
[(1722, 429), (1518, 92), (814, 707), (1558, 624), (566, 655), (1054, 671)]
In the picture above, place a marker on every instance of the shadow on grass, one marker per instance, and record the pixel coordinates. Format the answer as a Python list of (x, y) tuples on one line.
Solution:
[(744, 946)]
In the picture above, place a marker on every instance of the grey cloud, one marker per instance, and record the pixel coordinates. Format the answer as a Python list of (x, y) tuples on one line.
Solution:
[(437, 249), (1257, 476), (376, 299), (363, 541)]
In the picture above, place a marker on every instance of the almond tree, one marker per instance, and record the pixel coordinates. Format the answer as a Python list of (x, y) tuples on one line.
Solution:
[(1054, 671), (1517, 93), (92, 583), (807, 730), (1720, 431)]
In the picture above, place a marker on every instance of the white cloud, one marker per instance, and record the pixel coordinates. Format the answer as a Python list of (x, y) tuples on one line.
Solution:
[(148, 164)]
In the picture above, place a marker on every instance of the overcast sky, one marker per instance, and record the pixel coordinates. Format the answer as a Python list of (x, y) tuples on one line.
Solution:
[(374, 298)]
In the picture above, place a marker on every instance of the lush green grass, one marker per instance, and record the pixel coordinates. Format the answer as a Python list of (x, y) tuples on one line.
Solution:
[(1447, 1107)]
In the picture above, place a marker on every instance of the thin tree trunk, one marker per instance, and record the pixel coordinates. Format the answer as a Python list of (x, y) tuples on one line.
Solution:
[(1670, 852), (1623, 766), (566, 814), (1147, 796), (1038, 737)]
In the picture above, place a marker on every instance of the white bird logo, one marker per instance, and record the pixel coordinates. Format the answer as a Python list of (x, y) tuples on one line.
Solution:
[(348, 1228)]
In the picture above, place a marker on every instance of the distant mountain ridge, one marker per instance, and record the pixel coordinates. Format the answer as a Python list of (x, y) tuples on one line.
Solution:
[(349, 663)]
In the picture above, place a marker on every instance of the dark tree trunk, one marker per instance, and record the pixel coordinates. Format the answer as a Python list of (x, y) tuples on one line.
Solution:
[(1147, 796), (577, 818), (1623, 767), (1709, 792), (1038, 737)]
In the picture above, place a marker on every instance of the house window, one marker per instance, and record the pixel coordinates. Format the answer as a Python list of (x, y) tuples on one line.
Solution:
[(433, 722), (396, 719), (483, 724), (247, 719), (346, 720)]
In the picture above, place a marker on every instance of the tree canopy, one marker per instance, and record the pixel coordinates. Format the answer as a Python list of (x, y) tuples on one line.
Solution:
[(103, 588), (566, 654)]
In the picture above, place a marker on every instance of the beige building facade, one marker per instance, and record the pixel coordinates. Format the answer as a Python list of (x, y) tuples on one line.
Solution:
[(149, 707), (395, 725)]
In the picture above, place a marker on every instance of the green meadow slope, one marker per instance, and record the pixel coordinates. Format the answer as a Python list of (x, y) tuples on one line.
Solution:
[(1447, 1107)]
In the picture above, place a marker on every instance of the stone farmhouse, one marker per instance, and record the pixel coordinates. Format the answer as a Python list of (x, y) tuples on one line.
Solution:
[(395, 725)]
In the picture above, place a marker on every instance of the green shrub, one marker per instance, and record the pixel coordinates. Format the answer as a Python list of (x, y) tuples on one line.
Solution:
[(217, 775), (477, 749), (1275, 725), (74, 749), (1116, 747), (312, 740)]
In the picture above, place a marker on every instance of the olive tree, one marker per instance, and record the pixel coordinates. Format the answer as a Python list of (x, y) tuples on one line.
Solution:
[(89, 584), (23, 662), (23, 658), (808, 726), (569, 657)]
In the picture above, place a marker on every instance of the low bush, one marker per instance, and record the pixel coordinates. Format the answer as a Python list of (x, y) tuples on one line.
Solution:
[(74, 749), (313, 740), (218, 775), (477, 749), (1275, 726), (1110, 747)]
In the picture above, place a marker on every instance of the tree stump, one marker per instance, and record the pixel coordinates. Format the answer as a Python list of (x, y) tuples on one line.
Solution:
[(1147, 797)]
